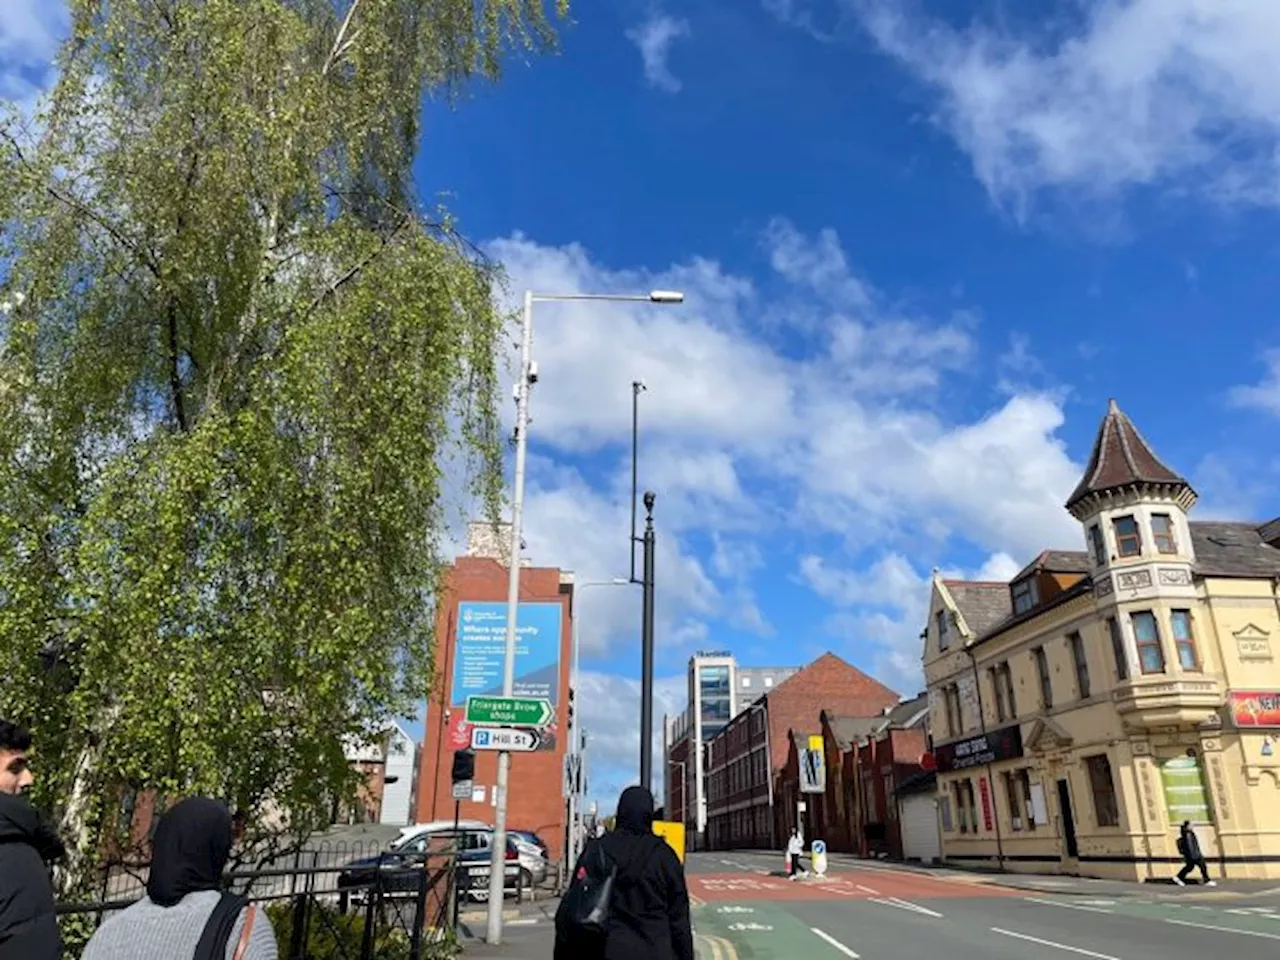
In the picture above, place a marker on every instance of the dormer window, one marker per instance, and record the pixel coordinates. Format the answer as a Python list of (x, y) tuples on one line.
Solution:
[(1128, 539), (1162, 533), (1098, 545), (1024, 595)]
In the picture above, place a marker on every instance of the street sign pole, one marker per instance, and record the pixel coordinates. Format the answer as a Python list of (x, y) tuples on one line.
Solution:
[(497, 862)]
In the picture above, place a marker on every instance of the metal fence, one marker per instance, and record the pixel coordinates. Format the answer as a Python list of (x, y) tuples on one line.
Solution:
[(321, 906)]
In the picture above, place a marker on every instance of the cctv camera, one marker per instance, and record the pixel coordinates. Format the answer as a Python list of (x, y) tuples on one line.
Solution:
[(649, 498), (533, 372)]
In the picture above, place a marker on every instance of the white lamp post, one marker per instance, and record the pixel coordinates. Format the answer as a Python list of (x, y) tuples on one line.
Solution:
[(497, 863)]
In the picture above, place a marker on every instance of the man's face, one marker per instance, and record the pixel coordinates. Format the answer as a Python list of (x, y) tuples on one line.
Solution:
[(15, 772)]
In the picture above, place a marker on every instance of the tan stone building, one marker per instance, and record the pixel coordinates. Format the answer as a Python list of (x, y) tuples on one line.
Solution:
[(1081, 712)]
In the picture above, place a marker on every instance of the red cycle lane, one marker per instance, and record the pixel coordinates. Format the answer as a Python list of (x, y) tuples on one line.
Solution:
[(842, 885)]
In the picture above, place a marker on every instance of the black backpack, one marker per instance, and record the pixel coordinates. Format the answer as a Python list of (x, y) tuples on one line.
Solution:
[(584, 909)]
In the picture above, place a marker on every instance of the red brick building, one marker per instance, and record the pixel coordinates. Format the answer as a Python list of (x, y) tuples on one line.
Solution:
[(748, 803), (867, 759), (882, 760), (536, 798)]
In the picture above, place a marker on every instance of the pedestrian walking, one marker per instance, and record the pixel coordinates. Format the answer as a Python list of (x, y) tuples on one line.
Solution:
[(795, 847), (28, 918), (648, 902), (184, 915), (1192, 857)]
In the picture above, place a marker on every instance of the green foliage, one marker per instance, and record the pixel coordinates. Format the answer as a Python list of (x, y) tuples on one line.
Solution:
[(332, 935), (238, 368)]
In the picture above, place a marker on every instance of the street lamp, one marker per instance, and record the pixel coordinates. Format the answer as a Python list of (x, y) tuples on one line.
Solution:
[(523, 383), (574, 757)]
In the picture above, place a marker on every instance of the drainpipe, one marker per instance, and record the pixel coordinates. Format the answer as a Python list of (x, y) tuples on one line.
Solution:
[(991, 779)]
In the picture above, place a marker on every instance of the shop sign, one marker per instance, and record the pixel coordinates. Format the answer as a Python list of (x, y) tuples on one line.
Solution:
[(1254, 708), (990, 747)]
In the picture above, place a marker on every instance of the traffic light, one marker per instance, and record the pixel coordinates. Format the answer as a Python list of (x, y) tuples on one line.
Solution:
[(464, 765)]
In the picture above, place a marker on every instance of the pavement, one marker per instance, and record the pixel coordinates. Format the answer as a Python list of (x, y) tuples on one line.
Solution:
[(744, 909)]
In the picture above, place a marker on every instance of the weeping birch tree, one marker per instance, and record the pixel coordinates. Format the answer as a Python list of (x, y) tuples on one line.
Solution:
[(238, 360)]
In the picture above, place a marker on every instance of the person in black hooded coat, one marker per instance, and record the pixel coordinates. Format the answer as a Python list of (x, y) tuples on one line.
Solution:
[(649, 909), (28, 924)]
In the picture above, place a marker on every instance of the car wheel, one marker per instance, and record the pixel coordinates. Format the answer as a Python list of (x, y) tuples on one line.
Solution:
[(526, 879)]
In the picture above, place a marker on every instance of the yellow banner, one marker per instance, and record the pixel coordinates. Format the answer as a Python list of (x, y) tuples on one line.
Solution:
[(673, 833), (815, 741)]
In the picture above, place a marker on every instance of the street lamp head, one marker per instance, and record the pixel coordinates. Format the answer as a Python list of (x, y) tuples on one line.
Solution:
[(666, 296), (619, 581)]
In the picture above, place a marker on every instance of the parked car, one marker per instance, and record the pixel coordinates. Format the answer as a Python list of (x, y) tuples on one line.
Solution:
[(400, 866), (475, 860), (435, 826), (533, 855)]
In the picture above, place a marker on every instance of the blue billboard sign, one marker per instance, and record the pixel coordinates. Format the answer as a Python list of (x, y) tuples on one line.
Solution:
[(479, 652)]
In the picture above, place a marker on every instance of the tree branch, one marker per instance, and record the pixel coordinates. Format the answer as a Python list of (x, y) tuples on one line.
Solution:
[(341, 43), (356, 268)]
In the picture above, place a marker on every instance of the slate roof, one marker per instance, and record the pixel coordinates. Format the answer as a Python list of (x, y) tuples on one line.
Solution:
[(1121, 458), (848, 730), (1233, 550), (983, 604), (1057, 561), (907, 710)]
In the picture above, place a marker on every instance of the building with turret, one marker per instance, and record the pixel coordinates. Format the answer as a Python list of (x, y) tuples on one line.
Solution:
[(1083, 711)]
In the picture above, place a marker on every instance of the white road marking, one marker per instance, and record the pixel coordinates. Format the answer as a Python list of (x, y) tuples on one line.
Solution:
[(874, 893), (904, 905), (835, 943), (1209, 926), (1051, 943), (1069, 906)]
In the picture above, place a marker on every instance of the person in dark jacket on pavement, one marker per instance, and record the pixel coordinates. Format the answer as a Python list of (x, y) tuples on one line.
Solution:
[(1192, 857), (28, 922), (649, 908)]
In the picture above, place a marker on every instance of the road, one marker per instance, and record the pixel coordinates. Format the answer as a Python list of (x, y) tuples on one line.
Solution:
[(744, 909)]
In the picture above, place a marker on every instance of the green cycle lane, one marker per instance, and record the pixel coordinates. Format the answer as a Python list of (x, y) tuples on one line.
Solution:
[(759, 930)]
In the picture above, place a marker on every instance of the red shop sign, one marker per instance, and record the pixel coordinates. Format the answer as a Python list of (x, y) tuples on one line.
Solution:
[(985, 792)]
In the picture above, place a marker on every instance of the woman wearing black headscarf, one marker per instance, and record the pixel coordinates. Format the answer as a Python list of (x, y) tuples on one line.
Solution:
[(649, 908), (185, 914)]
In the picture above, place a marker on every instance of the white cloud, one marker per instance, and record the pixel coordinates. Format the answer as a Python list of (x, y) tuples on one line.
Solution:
[(883, 608), (742, 441), (611, 718), (654, 38), (1265, 394), (1176, 93), (30, 32)]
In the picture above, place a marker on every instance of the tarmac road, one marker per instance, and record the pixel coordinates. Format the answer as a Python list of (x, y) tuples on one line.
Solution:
[(744, 909)]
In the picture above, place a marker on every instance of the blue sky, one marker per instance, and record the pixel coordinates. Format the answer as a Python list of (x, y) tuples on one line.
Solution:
[(922, 244)]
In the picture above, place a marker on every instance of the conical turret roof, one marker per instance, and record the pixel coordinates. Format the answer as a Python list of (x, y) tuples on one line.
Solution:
[(1121, 458)]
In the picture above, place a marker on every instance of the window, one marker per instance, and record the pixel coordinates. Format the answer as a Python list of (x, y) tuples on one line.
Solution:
[(1117, 649), (1017, 791), (1128, 540), (955, 721), (966, 812), (1098, 545), (1024, 595), (1046, 684), (768, 681), (941, 619), (1162, 533), (1147, 635), (1184, 639), (1105, 808), (1082, 664), (1002, 687), (746, 682)]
